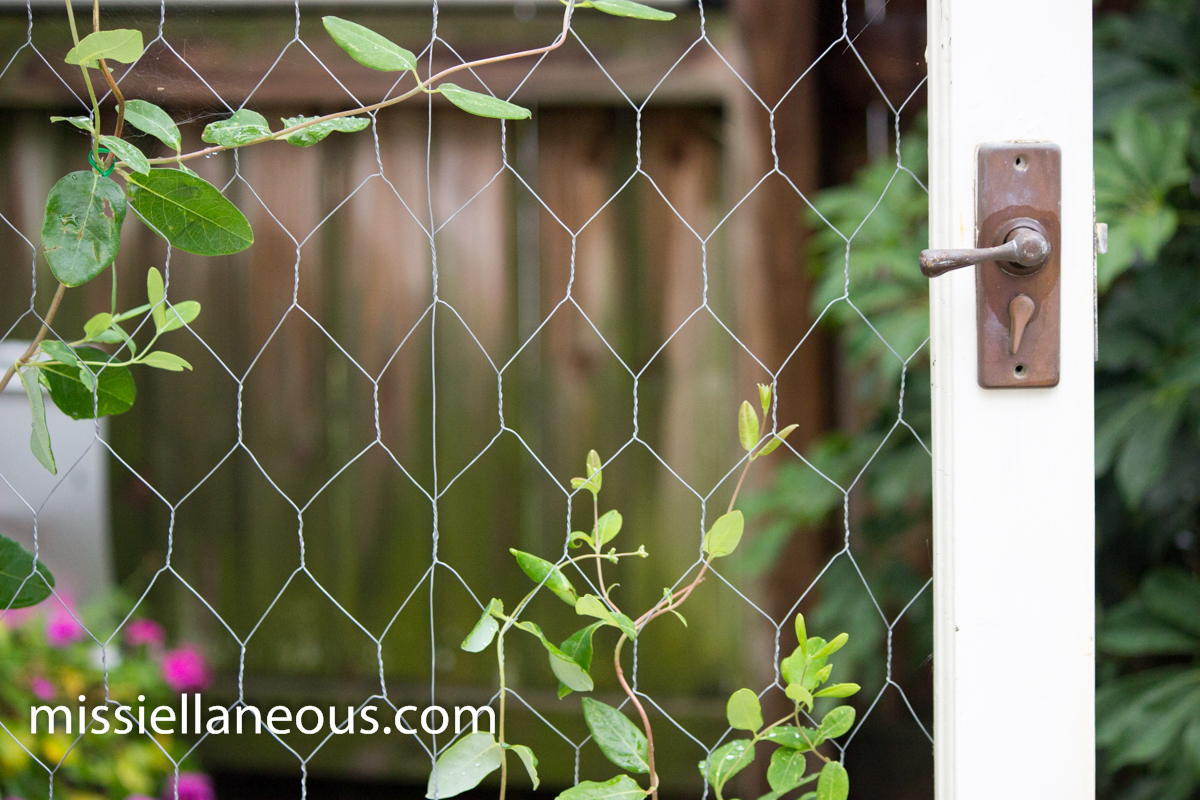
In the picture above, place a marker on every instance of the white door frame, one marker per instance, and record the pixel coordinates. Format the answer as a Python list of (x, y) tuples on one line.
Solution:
[(1014, 511)]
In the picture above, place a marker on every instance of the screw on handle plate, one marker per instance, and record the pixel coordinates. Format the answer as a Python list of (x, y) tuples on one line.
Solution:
[(1026, 249)]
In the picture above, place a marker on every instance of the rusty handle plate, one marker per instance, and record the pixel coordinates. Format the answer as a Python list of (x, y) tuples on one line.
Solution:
[(1025, 249)]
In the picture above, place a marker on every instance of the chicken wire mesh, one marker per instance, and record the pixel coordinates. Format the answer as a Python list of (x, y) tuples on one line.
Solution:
[(403, 195)]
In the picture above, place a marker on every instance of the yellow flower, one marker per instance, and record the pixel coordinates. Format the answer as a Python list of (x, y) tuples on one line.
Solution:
[(13, 757)]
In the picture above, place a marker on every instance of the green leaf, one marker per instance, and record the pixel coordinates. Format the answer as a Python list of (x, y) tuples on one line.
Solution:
[(836, 722), (786, 771), (619, 739), (528, 759), (838, 690), (723, 537), (727, 761), (607, 527), (539, 570), (162, 360), (578, 647), (155, 296), (116, 45), (592, 468), (744, 711), (190, 213), (482, 105), (306, 137), (369, 48), (149, 118), (764, 398), (1173, 595), (179, 315), (485, 629), (81, 230), (16, 564), (568, 672), (243, 127), (591, 606), (832, 647), (794, 738), (627, 8), (747, 426), (115, 390), (97, 325), (62, 352), (83, 123), (775, 441), (801, 634), (834, 783), (579, 537), (621, 787), (39, 440), (464, 764), (797, 692), (134, 159)]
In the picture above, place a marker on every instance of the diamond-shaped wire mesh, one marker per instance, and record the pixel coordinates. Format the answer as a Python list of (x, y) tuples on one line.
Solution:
[(321, 358)]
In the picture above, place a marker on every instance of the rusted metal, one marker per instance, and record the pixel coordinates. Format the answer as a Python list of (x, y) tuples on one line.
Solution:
[(1019, 189), (1023, 250)]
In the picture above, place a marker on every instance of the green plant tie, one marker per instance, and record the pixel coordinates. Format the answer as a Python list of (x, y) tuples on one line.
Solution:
[(104, 173)]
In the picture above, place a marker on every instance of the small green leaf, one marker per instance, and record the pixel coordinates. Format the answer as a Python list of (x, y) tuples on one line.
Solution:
[(627, 8), (306, 137), (17, 568), (786, 771), (528, 759), (836, 722), (114, 389), (539, 570), (578, 647), (149, 118), (801, 634), (579, 537), (369, 48), (833, 646), (726, 761), (723, 537), (747, 426), (39, 440), (134, 159), (179, 315), (794, 738), (155, 295), (83, 123), (822, 674), (775, 441), (621, 787), (622, 742), (607, 527), (797, 692), (243, 127), (764, 397), (838, 690), (744, 711), (162, 360), (591, 606), (186, 170), (482, 105), (462, 765), (190, 213), (484, 631), (60, 352), (81, 230), (834, 783), (568, 672), (97, 325), (116, 45)]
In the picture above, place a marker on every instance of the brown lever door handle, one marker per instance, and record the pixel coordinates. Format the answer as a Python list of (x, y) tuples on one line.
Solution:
[(1026, 248)]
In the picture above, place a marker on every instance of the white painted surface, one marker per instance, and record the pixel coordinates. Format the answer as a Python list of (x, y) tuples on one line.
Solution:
[(1013, 484), (71, 509)]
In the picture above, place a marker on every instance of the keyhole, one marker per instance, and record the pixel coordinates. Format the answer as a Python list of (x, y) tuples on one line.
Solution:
[(1021, 163), (1020, 370)]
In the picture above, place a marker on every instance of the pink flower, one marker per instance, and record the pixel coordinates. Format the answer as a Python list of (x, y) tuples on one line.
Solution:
[(192, 786), (62, 628), (139, 797), (144, 631), (185, 670), (42, 688), (14, 618)]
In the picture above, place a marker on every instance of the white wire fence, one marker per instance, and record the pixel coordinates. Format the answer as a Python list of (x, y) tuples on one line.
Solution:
[(442, 290)]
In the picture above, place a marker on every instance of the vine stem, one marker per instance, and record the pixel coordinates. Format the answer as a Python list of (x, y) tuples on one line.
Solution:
[(503, 697), (58, 296), (420, 87), (653, 792)]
